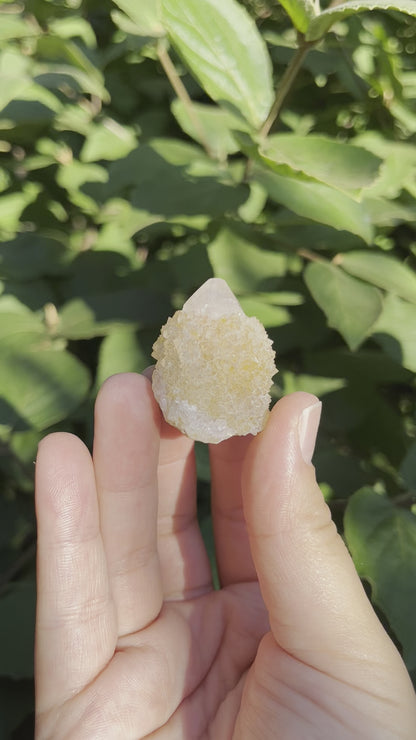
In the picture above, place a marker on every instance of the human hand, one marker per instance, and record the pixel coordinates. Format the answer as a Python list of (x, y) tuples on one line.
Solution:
[(131, 639)]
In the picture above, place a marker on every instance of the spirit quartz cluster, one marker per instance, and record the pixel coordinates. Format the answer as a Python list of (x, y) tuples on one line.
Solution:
[(214, 367)]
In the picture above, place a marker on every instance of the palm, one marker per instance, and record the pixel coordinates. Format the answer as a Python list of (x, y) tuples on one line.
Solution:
[(132, 640), (196, 676)]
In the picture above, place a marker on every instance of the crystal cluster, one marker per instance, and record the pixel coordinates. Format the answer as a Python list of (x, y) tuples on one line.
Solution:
[(214, 367)]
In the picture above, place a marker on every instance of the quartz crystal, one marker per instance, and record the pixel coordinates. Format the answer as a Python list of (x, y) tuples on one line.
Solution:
[(214, 367)]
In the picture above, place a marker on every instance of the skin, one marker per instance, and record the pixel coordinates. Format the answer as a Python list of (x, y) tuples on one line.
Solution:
[(131, 639)]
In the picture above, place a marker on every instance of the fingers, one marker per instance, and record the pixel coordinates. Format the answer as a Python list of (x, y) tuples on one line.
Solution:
[(185, 567), (126, 451), (317, 607), (184, 563), (75, 625), (232, 546)]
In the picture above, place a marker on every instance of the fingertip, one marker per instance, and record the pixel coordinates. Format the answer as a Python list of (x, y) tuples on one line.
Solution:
[(58, 449), (285, 444), (121, 384), (127, 393), (64, 485)]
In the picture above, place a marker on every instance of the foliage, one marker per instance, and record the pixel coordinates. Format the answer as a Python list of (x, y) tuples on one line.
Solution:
[(147, 146)]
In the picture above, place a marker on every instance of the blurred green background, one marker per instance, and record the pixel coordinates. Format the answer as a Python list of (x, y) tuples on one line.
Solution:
[(131, 171)]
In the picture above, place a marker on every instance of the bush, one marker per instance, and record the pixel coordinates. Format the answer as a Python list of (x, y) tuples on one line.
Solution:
[(149, 146)]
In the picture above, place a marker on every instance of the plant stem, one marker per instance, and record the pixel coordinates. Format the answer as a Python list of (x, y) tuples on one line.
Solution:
[(285, 86), (182, 93), (307, 254)]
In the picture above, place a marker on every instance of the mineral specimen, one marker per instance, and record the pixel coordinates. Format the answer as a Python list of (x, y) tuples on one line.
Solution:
[(214, 367)]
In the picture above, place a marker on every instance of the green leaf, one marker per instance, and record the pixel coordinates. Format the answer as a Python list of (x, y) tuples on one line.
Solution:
[(220, 44), (74, 27), (60, 76), (351, 306), (23, 329), (384, 212), (316, 201), (145, 15), (372, 364), (266, 313), (17, 619), (107, 140), (382, 270), (319, 385), (399, 163), (382, 541), (331, 162), (301, 12), (55, 48), (319, 25), (32, 255), (16, 27), (235, 257), (73, 118), (120, 352), (41, 387), (12, 206), (14, 75), (99, 314), (395, 331), (173, 180), (73, 175), (216, 123)]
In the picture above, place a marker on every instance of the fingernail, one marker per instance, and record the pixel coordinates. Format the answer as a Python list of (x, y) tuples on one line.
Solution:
[(308, 428), (148, 372)]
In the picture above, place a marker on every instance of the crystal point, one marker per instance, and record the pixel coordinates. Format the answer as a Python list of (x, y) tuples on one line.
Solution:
[(214, 367)]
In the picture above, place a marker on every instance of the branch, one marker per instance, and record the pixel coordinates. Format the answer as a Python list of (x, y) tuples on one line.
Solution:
[(182, 93), (285, 86)]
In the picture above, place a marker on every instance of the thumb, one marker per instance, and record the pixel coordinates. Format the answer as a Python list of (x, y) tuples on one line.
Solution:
[(318, 610)]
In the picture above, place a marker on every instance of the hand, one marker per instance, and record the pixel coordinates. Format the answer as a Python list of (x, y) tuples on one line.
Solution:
[(131, 639)]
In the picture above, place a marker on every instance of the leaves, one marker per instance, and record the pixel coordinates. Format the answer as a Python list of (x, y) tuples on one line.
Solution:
[(333, 163), (382, 541), (107, 140), (301, 12), (317, 202), (235, 258), (170, 179), (120, 352), (325, 20), (216, 123), (145, 17), (41, 387), (120, 195), (97, 314), (381, 270), (351, 306), (395, 331), (222, 48)]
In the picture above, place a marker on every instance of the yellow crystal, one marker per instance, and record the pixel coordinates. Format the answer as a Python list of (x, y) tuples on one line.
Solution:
[(214, 367)]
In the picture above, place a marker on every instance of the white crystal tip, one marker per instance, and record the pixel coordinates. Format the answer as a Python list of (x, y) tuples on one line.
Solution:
[(214, 298), (214, 367)]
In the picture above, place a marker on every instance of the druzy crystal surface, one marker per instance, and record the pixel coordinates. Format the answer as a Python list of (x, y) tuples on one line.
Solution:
[(214, 367)]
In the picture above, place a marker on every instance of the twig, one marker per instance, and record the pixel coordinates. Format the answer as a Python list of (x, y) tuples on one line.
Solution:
[(285, 86), (181, 91), (307, 254)]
